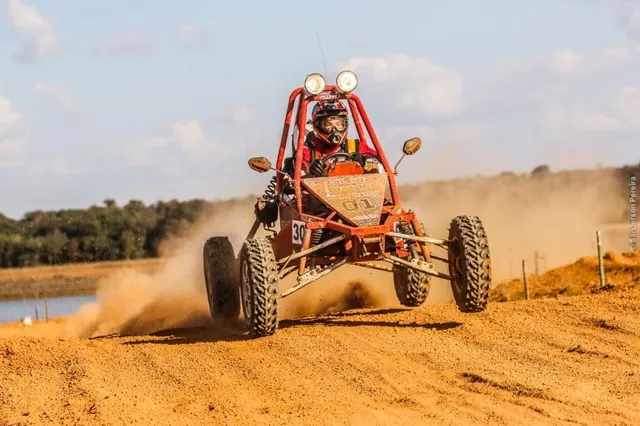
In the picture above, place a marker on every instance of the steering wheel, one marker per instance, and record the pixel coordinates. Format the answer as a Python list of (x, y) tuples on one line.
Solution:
[(336, 155), (331, 158)]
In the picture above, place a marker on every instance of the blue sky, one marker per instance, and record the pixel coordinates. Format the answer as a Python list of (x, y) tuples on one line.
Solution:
[(160, 100)]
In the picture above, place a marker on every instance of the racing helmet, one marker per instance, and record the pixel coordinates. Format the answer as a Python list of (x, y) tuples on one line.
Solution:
[(330, 122)]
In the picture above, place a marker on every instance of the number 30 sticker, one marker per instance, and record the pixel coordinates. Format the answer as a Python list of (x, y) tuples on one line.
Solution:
[(297, 231)]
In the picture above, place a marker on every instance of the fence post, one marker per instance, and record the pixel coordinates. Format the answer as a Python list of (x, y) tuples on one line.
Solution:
[(524, 278), (600, 260)]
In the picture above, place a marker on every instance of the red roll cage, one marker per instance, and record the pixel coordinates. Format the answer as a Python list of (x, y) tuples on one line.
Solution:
[(359, 115)]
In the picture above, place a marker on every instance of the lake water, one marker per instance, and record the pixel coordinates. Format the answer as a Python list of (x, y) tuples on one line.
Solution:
[(15, 310)]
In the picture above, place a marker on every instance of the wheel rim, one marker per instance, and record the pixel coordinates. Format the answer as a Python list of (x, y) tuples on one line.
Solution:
[(246, 291), (457, 268)]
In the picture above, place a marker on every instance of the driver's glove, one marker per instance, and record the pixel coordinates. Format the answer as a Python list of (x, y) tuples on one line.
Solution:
[(317, 168)]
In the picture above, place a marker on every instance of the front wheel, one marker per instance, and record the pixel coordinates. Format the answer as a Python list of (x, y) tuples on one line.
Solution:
[(259, 286), (469, 263)]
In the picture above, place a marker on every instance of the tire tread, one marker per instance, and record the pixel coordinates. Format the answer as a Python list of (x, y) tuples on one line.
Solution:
[(263, 272), (475, 281)]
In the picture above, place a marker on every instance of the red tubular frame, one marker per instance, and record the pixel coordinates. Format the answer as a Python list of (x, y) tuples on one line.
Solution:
[(359, 115), (361, 121)]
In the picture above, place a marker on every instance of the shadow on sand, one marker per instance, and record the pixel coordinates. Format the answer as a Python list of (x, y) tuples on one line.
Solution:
[(234, 331), (343, 319)]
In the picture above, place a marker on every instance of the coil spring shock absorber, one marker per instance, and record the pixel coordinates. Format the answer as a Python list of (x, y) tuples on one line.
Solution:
[(406, 228), (270, 192), (316, 236), (267, 206)]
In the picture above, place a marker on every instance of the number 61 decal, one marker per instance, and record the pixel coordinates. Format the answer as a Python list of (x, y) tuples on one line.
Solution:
[(297, 231), (362, 203)]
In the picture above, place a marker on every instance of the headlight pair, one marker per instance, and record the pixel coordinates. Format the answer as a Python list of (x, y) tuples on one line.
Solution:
[(346, 81)]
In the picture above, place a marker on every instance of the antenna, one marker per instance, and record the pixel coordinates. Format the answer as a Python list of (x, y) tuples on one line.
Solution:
[(326, 72)]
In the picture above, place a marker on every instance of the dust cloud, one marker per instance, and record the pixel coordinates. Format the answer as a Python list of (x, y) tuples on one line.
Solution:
[(130, 302), (555, 215)]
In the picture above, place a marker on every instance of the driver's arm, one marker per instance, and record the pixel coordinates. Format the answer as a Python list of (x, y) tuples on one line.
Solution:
[(306, 159)]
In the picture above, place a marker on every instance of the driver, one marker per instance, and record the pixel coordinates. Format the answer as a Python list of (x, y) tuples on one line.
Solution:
[(330, 121)]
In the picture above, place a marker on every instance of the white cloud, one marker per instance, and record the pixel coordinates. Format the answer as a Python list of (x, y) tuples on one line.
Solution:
[(188, 135), (242, 114), (629, 18), (569, 63), (8, 117), (39, 39), (564, 66), (538, 109), (434, 90), (185, 144), (62, 94), (128, 44), (562, 117), (190, 35), (561, 78), (13, 144), (17, 152)]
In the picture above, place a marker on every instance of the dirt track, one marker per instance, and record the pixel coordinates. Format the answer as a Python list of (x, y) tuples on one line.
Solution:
[(553, 361)]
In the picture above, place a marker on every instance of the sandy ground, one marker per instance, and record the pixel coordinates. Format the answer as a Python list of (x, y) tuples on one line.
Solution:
[(565, 360), (572, 360)]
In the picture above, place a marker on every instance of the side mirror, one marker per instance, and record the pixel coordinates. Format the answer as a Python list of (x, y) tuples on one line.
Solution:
[(260, 164), (411, 146)]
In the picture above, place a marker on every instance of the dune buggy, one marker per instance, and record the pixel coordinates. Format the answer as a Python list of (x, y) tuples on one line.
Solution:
[(348, 217)]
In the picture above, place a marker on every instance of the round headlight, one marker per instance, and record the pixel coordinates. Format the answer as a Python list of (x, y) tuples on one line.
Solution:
[(315, 83), (347, 81)]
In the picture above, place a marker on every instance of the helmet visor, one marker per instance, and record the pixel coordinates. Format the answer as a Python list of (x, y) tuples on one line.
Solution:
[(329, 123)]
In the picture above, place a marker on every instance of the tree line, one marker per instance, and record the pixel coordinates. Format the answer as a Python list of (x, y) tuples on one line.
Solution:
[(98, 233), (135, 230)]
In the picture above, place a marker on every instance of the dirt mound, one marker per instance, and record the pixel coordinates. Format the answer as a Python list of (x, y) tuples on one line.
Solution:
[(548, 361), (622, 270)]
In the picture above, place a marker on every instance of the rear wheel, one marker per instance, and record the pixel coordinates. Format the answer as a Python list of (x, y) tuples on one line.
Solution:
[(259, 286), (469, 263), (221, 279), (412, 287)]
